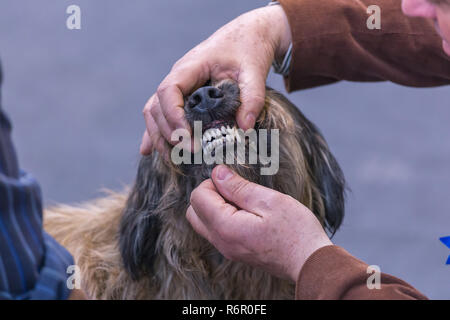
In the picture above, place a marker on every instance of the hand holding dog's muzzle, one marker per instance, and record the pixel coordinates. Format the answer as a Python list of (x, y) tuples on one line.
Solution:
[(242, 50)]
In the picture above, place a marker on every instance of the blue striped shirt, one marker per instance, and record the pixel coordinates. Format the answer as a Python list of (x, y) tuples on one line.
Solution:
[(32, 264)]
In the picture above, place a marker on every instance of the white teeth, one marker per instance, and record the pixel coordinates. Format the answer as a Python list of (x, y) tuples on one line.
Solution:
[(214, 137), (238, 137)]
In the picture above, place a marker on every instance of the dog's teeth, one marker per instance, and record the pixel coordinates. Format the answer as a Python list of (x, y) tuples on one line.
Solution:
[(238, 137)]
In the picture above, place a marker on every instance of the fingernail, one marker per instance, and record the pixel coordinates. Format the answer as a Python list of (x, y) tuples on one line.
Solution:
[(250, 120), (223, 173), (143, 149)]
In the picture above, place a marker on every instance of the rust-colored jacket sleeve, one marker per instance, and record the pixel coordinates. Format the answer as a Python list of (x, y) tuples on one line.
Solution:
[(331, 42), (332, 273)]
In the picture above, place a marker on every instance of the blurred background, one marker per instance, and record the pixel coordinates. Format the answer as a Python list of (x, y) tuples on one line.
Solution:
[(76, 96)]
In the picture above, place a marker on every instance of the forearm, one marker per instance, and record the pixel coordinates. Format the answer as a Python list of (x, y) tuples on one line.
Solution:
[(331, 42), (331, 273)]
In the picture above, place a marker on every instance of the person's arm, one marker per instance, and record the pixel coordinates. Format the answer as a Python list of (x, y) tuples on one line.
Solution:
[(331, 42), (32, 264), (332, 273), (273, 231)]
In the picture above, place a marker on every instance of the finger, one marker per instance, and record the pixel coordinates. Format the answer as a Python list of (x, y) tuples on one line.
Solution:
[(163, 148), (180, 82), (156, 140), (197, 224), (243, 193), (252, 84), (146, 144), (210, 207), (161, 122)]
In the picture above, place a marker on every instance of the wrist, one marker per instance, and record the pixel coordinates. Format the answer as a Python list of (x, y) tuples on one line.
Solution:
[(301, 262), (312, 239), (280, 29)]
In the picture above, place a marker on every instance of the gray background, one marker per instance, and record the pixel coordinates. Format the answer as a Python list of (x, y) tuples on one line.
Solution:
[(76, 97)]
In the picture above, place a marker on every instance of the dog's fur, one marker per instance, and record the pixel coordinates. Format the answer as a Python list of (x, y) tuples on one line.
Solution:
[(139, 245)]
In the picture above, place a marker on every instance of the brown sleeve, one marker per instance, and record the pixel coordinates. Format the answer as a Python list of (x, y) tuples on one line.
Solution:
[(332, 273), (331, 42)]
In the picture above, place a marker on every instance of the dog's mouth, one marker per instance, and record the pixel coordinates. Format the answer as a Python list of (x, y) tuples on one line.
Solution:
[(215, 107), (218, 133)]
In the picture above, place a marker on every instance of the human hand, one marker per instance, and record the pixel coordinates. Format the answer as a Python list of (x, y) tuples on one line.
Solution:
[(242, 50), (261, 227)]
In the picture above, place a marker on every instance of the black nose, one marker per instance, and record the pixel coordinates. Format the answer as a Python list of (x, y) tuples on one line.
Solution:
[(205, 98)]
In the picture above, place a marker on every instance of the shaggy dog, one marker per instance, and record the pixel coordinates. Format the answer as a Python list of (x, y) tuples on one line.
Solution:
[(139, 245)]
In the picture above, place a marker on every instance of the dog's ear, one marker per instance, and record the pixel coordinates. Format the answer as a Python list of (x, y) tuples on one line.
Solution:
[(140, 225), (326, 174)]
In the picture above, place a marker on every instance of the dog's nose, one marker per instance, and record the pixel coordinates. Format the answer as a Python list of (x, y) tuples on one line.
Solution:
[(205, 98)]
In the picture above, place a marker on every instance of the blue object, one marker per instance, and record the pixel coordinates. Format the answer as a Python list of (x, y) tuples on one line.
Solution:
[(446, 241), (32, 264)]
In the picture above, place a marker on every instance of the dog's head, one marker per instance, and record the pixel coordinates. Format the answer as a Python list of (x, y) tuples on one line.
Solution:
[(300, 165)]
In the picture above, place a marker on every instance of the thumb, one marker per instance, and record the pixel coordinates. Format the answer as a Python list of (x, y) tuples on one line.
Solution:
[(241, 192), (252, 84)]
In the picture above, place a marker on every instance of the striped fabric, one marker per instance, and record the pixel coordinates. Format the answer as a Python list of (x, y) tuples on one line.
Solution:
[(32, 264)]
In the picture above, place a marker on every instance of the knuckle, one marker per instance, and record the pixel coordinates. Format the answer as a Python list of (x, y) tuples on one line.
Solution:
[(179, 63), (241, 186), (274, 200), (146, 110), (275, 197), (154, 111), (194, 195), (148, 104), (163, 88)]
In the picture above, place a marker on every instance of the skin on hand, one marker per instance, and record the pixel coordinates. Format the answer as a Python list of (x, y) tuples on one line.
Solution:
[(437, 10), (242, 50), (262, 228)]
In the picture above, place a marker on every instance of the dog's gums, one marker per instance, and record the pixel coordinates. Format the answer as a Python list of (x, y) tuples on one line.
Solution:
[(139, 245)]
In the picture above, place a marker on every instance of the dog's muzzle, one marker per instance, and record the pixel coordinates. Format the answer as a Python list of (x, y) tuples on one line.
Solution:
[(215, 107)]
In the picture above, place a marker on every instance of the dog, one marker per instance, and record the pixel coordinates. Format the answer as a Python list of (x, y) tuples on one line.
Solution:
[(138, 244)]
